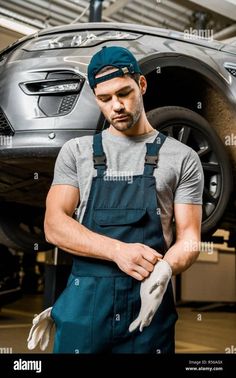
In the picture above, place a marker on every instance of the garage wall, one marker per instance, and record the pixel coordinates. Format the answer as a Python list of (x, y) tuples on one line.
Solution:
[(7, 37)]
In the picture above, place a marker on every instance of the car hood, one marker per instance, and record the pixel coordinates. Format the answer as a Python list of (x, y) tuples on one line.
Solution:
[(171, 34)]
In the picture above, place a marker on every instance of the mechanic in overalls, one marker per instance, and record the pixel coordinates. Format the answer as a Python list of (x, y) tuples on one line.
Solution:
[(130, 180)]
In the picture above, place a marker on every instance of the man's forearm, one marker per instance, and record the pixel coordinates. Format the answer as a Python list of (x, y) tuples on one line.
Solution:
[(135, 259), (71, 236), (182, 254)]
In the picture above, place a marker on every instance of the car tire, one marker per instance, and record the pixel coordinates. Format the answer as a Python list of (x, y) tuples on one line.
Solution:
[(193, 130)]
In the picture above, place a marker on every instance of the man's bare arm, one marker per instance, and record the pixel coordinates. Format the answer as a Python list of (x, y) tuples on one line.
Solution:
[(62, 230), (135, 259), (188, 235)]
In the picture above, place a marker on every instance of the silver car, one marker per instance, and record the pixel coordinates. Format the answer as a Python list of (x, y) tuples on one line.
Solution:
[(45, 100)]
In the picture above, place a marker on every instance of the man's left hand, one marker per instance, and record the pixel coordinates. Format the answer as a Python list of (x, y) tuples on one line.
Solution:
[(152, 290)]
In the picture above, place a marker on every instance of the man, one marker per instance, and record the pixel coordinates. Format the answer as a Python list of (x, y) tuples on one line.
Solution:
[(130, 181)]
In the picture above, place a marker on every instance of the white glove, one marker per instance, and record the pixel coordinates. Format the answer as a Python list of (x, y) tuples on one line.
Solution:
[(40, 330), (152, 290)]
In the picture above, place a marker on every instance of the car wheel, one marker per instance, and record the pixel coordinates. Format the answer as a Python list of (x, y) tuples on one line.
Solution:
[(193, 130)]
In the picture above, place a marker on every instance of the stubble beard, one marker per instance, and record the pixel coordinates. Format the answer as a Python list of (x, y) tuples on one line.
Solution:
[(132, 119)]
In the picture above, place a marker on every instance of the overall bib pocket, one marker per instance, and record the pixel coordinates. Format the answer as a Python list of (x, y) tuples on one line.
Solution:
[(122, 224)]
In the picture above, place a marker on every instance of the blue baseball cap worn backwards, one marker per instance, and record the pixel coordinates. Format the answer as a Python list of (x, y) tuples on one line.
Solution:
[(115, 56)]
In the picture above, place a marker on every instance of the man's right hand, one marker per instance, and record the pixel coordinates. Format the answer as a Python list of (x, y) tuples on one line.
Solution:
[(135, 259)]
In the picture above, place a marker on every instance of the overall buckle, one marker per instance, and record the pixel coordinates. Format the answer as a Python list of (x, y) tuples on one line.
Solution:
[(151, 160), (99, 160)]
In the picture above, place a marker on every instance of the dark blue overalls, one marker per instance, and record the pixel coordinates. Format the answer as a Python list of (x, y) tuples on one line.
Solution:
[(94, 312)]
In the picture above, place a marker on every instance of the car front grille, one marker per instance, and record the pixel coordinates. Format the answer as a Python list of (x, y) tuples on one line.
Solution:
[(67, 104), (5, 126)]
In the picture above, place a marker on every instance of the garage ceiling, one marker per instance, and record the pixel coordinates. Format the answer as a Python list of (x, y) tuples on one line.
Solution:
[(177, 15)]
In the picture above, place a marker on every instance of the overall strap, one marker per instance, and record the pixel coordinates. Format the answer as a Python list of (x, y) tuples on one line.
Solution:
[(151, 156), (99, 157)]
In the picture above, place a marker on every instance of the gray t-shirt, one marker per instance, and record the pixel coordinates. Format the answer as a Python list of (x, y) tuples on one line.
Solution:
[(179, 176)]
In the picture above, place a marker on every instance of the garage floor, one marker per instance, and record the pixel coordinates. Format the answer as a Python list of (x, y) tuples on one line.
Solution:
[(198, 330)]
